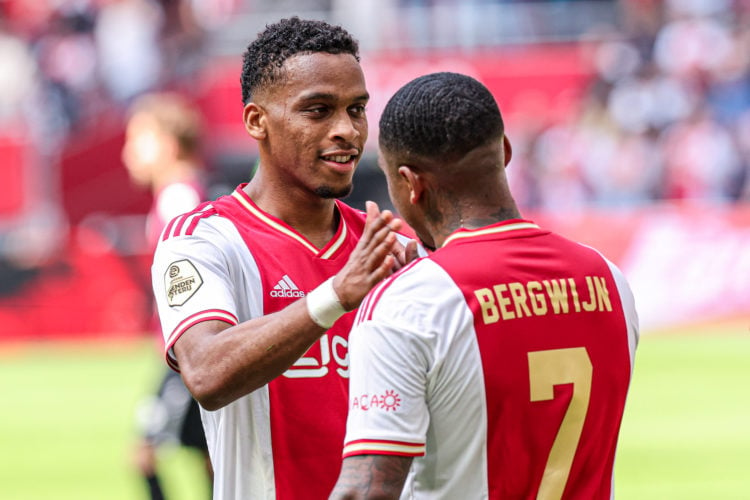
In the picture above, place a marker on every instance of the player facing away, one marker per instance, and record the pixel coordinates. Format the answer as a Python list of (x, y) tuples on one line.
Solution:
[(498, 366), (252, 288)]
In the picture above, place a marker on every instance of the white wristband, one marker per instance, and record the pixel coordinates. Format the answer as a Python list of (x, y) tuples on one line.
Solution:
[(323, 304)]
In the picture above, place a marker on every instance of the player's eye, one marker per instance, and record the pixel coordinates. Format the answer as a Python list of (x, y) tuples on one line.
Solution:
[(316, 111), (358, 109)]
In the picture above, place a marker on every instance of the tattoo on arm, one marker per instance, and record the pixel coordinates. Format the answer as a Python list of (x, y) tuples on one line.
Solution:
[(372, 477)]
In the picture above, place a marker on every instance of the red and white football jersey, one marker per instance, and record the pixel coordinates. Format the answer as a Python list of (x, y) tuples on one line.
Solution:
[(230, 261), (501, 362)]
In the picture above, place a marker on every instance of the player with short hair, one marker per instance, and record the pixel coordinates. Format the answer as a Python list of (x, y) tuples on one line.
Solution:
[(253, 287), (497, 367)]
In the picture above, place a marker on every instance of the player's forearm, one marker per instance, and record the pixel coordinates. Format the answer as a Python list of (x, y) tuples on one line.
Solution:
[(219, 367), (371, 477)]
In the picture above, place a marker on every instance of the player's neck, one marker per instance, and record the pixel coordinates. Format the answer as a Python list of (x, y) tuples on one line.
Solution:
[(473, 216), (313, 217)]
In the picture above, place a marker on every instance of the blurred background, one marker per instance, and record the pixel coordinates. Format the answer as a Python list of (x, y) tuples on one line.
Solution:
[(629, 119)]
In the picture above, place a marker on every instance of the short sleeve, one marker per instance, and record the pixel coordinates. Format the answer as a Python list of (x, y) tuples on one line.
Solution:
[(192, 283), (390, 358)]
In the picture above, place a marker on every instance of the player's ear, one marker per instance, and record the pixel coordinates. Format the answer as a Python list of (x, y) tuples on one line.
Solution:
[(414, 181), (253, 115), (507, 149)]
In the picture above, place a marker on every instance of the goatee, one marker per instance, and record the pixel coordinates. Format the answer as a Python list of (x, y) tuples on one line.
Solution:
[(328, 192)]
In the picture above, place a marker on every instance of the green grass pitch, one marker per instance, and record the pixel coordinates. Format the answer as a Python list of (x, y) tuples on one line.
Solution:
[(66, 420)]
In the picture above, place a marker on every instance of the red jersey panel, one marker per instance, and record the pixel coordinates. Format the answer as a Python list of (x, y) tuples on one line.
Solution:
[(555, 356)]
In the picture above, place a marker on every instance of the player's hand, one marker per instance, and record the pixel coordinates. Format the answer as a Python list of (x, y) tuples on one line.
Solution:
[(373, 259)]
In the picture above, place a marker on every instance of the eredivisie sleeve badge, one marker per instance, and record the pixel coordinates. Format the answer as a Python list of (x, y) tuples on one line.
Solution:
[(181, 281)]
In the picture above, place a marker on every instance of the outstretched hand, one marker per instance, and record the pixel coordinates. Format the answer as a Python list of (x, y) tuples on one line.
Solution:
[(375, 257)]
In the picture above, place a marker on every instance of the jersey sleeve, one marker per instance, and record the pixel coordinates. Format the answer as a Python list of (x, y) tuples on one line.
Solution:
[(390, 356), (628, 309), (192, 283)]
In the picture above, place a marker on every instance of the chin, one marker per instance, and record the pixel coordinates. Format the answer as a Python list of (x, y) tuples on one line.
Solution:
[(329, 192)]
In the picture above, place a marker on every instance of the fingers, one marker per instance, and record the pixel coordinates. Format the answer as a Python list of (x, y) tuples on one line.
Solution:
[(385, 217), (381, 247), (373, 259), (375, 222), (372, 210)]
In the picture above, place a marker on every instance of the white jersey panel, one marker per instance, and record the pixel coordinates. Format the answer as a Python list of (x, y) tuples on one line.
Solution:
[(401, 361), (628, 309), (228, 288), (628, 305)]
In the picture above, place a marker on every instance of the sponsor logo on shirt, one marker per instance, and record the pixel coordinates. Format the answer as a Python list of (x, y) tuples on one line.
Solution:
[(181, 281), (388, 400), (286, 288), (334, 352)]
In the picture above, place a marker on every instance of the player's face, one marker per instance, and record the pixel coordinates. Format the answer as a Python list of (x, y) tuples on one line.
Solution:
[(315, 122), (144, 149)]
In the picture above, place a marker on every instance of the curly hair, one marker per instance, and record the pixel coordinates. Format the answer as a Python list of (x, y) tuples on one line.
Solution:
[(440, 115), (262, 61)]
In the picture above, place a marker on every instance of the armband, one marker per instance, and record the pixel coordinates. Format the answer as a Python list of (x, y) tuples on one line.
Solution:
[(323, 304)]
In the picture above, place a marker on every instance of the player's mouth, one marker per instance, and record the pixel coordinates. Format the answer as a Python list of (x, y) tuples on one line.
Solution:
[(342, 162)]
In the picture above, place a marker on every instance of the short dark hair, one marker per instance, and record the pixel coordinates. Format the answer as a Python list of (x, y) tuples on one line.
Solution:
[(266, 54), (440, 115)]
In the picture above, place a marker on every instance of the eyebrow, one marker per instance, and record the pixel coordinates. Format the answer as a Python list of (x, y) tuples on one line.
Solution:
[(330, 97)]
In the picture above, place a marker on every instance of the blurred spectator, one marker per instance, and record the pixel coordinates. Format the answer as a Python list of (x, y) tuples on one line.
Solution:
[(666, 116), (701, 159), (67, 58), (127, 37), (182, 39)]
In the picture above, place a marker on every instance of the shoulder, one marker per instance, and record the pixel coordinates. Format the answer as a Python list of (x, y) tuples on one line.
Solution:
[(419, 310), (202, 232), (189, 223), (418, 293)]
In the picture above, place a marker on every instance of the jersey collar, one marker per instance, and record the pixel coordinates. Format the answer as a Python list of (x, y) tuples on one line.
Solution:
[(500, 227), (324, 253)]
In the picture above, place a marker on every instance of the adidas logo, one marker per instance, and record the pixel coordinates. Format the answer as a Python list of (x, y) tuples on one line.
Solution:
[(286, 288)]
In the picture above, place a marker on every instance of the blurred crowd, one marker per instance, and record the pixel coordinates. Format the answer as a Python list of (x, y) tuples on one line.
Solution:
[(667, 115), (68, 62)]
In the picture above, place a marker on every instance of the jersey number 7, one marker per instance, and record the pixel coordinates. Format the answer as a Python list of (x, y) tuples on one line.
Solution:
[(546, 370)]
